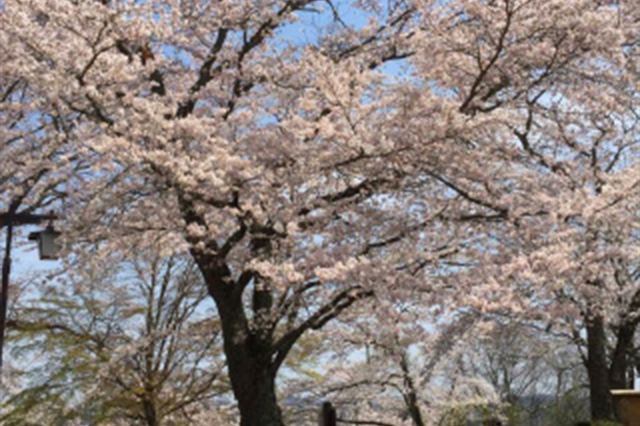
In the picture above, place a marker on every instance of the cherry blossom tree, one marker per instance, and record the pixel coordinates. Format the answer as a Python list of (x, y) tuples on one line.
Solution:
[(457, 148), (36, 159), (393, 369), (253, 155), (547, 157)]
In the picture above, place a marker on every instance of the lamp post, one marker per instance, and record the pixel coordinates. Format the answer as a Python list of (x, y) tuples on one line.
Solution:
[(47, 249)]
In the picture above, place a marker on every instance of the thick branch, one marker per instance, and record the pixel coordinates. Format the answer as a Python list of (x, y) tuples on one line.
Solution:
[(340, 303)]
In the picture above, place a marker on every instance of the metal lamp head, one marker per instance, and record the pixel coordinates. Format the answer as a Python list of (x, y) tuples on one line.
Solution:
[(48, 247)]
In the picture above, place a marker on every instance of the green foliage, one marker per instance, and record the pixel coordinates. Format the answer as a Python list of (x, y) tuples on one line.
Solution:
[(459, 415), (454, 417), (108, 348), (303, 358), (569, 409)]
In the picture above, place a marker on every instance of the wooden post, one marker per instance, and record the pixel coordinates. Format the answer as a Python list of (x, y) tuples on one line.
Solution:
[(327, 415), (627, 402)]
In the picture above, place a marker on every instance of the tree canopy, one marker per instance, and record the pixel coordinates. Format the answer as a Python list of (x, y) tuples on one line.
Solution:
[(315, 159)]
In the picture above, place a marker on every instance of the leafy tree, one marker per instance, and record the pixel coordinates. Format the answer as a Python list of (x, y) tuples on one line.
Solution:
[(130, 344)]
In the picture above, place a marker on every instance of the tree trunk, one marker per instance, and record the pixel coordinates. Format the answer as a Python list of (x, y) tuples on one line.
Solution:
[(598, 370), (150, 412), (257, 402), (620, 363), (253, 382), (251, 371), (410, 394)]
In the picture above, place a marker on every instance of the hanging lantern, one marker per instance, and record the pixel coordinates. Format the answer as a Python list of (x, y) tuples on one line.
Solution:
[(48, 247)]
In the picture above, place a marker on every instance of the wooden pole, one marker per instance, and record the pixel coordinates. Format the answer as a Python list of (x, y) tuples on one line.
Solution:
[(327, 415)]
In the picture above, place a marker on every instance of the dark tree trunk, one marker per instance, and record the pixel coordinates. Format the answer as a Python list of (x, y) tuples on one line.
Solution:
[(252, 351), (255, 391), (598, 370), (620, 363), (414, 410), (411, 395), (620, 359), (150, 413), (251, 370), (253, 381)]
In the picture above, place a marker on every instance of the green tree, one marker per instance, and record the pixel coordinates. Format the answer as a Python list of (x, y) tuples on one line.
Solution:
[(131, 343)]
